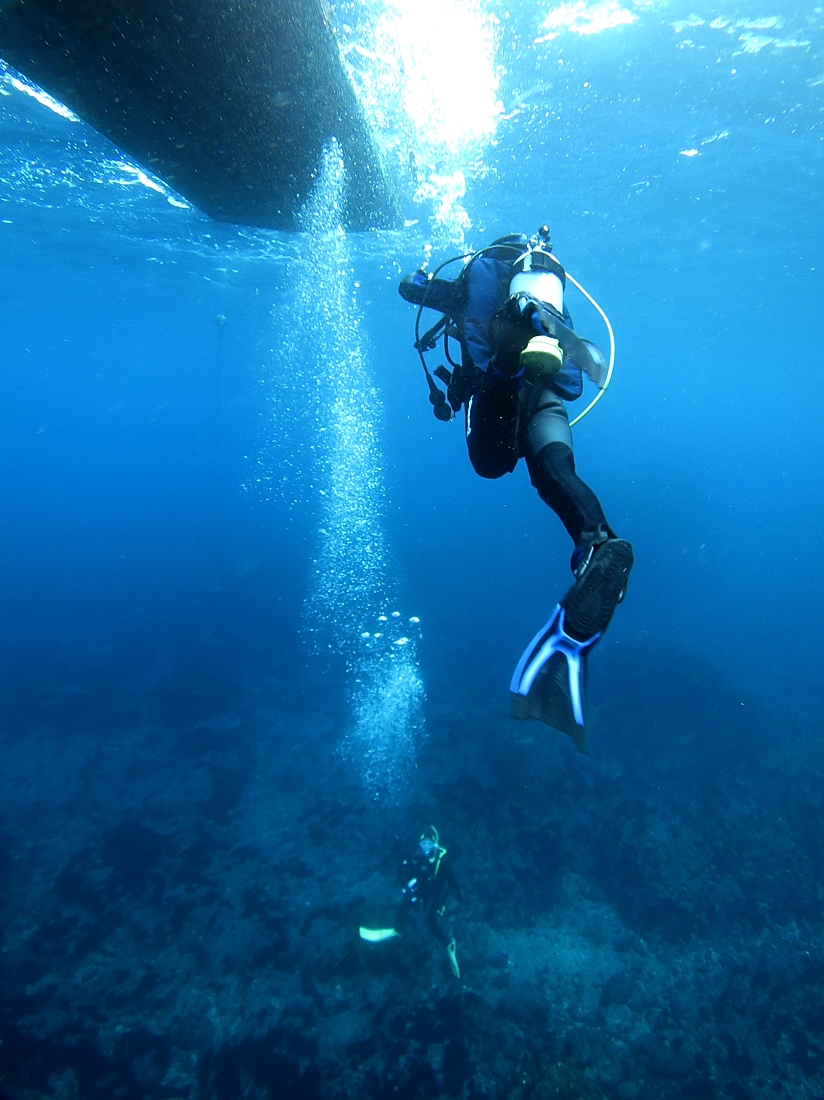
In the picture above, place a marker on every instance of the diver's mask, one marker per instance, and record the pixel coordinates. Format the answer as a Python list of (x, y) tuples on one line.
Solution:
[(431, 847)]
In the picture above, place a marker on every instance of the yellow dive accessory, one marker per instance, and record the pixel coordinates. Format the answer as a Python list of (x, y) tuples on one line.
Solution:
[(434, 840), (542, 358)]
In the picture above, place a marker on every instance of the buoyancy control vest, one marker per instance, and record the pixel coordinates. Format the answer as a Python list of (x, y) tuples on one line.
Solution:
[(513, 282), (466, 305)]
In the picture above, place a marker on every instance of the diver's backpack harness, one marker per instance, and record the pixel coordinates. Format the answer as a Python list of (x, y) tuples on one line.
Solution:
[(443, 328), (445, 405), (447, 325)]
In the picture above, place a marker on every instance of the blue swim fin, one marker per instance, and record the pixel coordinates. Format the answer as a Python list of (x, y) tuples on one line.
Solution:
[(550, 681)]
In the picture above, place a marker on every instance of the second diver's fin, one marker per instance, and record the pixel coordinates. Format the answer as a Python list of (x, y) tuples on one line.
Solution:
[(453, 957), (550, 681), (377, 935)]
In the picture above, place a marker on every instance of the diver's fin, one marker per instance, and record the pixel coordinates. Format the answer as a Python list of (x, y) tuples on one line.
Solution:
[(587, 356), (594, 364), (453, 957), (377, 935), (550, 681)]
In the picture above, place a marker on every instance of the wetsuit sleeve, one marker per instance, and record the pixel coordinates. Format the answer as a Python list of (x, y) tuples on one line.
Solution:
[(438, 294)]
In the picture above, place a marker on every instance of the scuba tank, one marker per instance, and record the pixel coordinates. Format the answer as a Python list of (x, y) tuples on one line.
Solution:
[(539, 276)]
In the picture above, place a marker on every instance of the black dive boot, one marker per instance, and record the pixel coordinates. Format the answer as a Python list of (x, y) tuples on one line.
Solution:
[(602, 572)]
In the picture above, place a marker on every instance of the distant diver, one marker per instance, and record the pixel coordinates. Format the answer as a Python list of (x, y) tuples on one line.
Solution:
[(429, 881), (520, 360)]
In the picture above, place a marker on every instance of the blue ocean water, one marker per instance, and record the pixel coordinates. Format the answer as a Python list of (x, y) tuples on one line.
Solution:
[(222, 478)]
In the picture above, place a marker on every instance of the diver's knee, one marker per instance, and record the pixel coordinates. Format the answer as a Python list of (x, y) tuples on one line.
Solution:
[(491, 465), (491, 438), (554, 460)]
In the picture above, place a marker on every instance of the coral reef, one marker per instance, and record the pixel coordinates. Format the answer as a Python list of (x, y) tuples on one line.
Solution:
[(182, 884)]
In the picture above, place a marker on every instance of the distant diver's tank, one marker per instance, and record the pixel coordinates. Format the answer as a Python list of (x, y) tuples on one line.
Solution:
[(540, 275)]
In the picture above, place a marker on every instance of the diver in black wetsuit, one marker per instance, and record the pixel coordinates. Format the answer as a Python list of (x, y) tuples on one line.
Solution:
[(520, 362), (429, 881), (429, 884)]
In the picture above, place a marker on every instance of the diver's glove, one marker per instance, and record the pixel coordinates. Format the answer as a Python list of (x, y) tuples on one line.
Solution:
[(421, 289), (412, 288)]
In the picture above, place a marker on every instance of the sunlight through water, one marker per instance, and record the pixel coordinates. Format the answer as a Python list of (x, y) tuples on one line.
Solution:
[(433, 111)]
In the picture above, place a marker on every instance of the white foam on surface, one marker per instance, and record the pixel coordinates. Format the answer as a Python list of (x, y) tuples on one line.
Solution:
[(585, 19)]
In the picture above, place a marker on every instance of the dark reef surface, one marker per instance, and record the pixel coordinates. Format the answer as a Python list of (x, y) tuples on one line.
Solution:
[(184, 865)]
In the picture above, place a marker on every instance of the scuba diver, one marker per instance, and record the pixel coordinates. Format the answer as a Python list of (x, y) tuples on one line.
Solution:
[(429, 882), (520, 361)]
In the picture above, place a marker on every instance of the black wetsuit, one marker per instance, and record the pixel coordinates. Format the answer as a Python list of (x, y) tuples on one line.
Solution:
[(427, 886), (508, 417)]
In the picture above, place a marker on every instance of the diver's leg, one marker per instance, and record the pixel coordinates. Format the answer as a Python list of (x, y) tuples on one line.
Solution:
[(492, 427), (601, 562), (552, 472), (551, 464), (435, 924), (493, 413)]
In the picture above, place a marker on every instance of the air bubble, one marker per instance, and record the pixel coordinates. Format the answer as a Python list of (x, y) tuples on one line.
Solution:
[(351, 563)]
